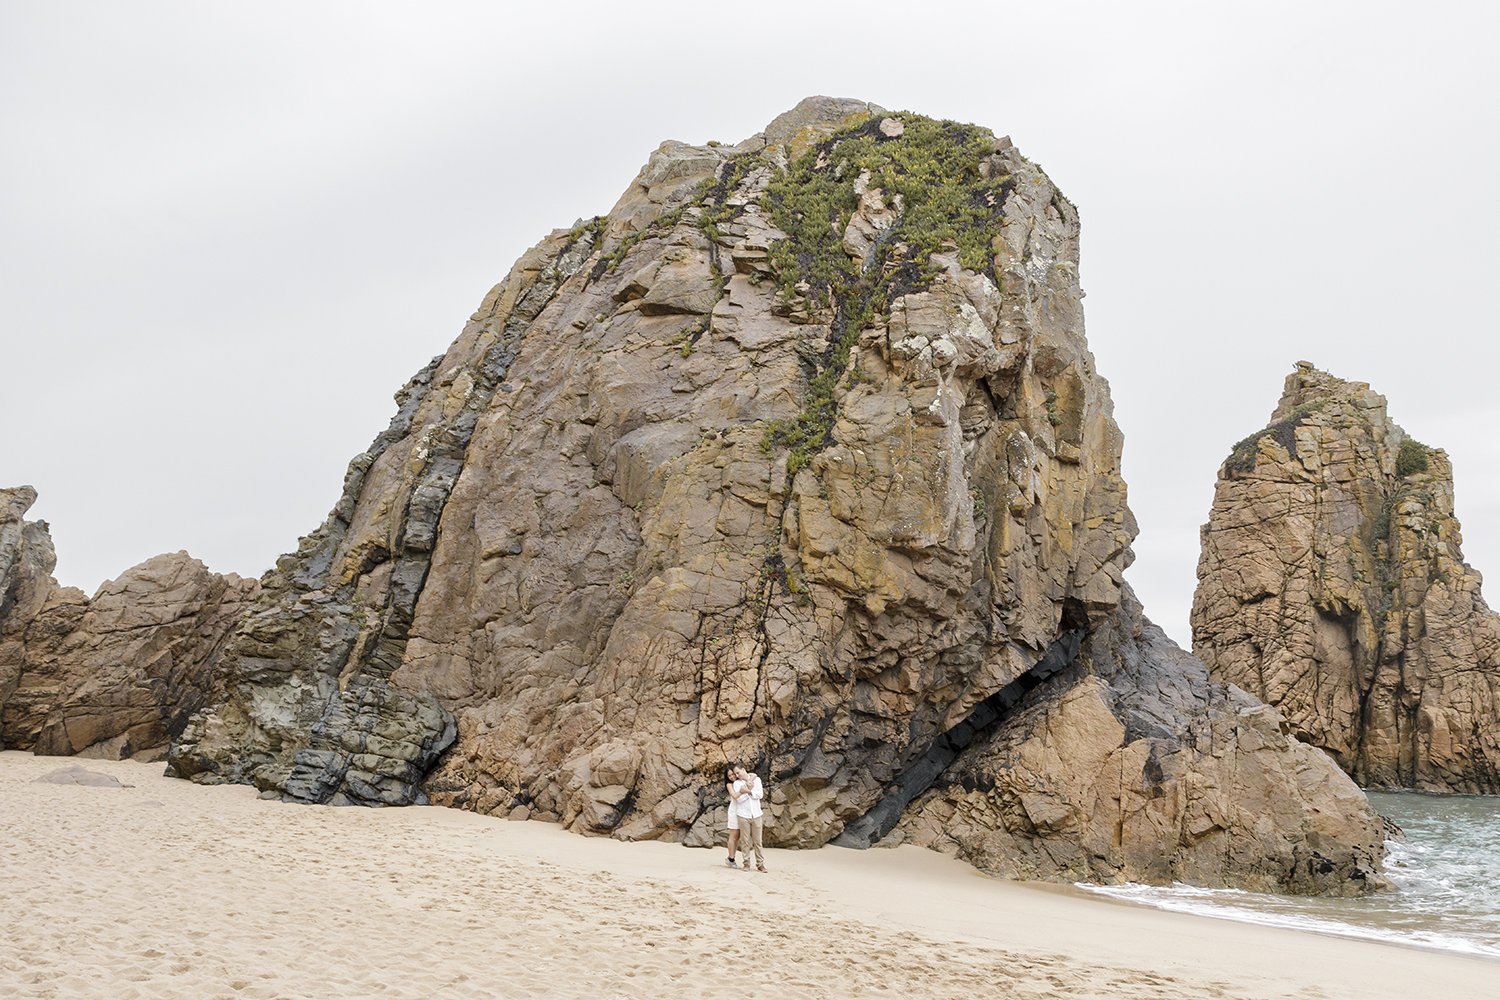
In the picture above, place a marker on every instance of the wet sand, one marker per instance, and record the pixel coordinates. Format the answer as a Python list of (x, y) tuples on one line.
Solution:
[(169, 889)]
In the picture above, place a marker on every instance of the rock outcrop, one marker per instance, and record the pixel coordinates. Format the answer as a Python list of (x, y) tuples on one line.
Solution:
[(1134, 766), (797, 457), (1332, 585), (115, 675)]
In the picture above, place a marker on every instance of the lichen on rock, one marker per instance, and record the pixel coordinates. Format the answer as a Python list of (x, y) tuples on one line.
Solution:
[(1332, 584)]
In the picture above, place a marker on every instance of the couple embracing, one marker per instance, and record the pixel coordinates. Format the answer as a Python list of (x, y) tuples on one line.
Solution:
[(745, 822)]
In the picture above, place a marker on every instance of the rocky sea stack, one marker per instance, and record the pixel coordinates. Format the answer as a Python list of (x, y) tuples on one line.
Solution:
[(797, 457), (1332, 584)]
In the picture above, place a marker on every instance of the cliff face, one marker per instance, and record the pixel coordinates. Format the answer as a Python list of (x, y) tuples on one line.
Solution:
[(798, 457), (1332, 584), (116, 675)]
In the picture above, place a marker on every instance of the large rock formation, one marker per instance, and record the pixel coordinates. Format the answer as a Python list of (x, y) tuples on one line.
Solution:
[(797, 457), (116, 675), (1332, 585)]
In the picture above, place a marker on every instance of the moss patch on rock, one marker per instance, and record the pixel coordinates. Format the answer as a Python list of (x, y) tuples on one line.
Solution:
[(947, 189)]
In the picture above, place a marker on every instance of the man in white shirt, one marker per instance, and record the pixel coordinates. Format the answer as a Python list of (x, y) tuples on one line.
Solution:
[(747, 809)]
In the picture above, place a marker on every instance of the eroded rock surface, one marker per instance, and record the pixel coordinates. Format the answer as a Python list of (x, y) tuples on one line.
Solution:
[(1332, 585), (797, 457), (115, 675), (1133, 766)]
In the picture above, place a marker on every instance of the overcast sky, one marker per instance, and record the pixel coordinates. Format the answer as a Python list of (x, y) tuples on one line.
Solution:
[(228, 233)]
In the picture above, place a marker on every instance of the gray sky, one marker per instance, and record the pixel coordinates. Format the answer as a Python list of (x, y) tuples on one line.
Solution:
[(228, 233)]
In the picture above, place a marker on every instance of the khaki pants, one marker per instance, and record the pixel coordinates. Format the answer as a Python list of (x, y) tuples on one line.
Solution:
[(750, 832)]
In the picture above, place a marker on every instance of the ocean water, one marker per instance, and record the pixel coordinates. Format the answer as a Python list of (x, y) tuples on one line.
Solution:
[(1446, 871)]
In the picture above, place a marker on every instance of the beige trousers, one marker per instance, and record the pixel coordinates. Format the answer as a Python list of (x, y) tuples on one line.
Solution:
[(750, 832)]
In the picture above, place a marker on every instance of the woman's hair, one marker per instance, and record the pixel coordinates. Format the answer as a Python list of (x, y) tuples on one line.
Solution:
[(729, 770)]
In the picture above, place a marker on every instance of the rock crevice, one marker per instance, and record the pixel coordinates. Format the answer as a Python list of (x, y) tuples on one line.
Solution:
[(979, 724)]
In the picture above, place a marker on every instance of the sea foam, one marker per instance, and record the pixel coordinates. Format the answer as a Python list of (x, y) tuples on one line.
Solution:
[(1444, 871)]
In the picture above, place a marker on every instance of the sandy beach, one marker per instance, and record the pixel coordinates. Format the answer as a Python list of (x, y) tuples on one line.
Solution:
[(169, 889)]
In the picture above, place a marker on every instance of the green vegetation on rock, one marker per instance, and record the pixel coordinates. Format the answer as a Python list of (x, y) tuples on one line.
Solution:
[(947, 192), (1053, 417), (946, 189), (1411, 458), (713, 195), (595, 226), (1241, 458), (663, 223)]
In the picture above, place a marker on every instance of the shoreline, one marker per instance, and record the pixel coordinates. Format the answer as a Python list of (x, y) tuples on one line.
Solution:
[(1091, 894), (170, 889)]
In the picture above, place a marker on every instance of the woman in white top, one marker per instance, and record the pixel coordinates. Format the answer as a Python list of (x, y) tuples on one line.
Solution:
[(736, 789)]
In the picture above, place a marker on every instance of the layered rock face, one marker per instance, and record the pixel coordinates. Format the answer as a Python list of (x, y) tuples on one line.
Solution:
[(1332, 585), (798, 457), (117, 675)]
